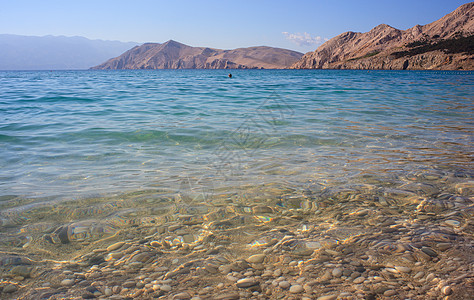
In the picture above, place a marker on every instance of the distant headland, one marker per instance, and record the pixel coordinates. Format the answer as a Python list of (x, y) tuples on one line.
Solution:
[(175, 55), (446, 44)]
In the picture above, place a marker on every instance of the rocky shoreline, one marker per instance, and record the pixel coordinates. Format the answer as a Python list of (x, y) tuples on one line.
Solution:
[(410, 243), (445, 44)]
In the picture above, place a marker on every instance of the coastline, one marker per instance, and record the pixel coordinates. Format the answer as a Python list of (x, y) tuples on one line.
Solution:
[(270, 185)]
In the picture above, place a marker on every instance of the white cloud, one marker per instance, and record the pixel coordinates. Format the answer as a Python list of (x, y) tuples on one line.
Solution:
[(304, 39)]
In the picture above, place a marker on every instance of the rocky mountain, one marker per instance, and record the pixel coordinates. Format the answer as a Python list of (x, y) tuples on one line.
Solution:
[(18, 52), (174, 55), (446, 44)]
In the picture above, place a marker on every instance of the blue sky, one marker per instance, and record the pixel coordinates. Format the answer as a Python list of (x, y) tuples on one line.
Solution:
[(299, 24)]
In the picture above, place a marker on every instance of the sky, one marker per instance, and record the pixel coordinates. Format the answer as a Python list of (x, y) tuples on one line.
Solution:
[(300, 25)]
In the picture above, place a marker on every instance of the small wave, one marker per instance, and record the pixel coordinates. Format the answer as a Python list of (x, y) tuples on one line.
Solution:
[(59, 99)]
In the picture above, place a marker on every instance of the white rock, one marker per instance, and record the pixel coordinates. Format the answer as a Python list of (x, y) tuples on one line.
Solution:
[(115, 246), (256, 259), (378, 278), (402, 269), (446, 290), (246, 282), (430, 277), (453, 223), (359, 280), (293, 263), (232, 278), (392, 270), (337, 272), (419, 275), (67, 282), (165, 288), (284, 284), (277, 273), (327, 297), (114, 255), (295, 289), (389, 293)]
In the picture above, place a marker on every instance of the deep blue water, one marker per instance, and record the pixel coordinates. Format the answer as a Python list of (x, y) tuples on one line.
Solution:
[(68, 134)]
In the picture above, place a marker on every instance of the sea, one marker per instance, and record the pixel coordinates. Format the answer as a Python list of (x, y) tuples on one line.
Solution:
[(99, 151)]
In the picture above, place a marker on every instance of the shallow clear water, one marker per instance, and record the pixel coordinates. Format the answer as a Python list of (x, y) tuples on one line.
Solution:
[(69, 134), (79, 145)]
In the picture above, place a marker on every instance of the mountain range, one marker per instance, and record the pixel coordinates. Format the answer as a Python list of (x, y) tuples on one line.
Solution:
[(174, 55), (18, 52), (446, 44)]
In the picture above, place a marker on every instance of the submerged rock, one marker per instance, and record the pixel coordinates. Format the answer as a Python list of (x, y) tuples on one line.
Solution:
[(246, 282)]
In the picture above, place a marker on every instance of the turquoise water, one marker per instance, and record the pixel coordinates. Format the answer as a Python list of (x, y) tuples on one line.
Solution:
[(97, 151), (85, 133)]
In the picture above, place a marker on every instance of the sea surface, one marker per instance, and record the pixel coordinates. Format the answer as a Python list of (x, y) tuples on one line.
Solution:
[(114, 147)]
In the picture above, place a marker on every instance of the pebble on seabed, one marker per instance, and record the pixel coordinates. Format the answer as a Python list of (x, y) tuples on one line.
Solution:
[(359, 280), (246, 282), (256, 259), (165, 288), (295, 289), (446, 290), (115, 246), (284, 284), (327, 297), (389, 293), (11, 288), (67, 282), (398, 259), (403, 269), (337, 272)]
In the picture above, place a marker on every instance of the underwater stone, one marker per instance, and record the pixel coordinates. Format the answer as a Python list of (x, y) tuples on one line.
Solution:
[(115, 246), (246, 282), (429, 251), (11, 288), (256, 259), (62, 234), (23, 271)]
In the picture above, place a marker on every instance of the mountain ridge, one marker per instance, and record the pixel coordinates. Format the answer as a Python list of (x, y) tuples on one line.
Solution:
[(21, 52), (375, 49), (175, 55)]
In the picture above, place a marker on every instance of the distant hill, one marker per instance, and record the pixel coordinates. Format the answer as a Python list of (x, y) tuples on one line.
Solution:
[(19, 52), (446, 44), (174, 55)]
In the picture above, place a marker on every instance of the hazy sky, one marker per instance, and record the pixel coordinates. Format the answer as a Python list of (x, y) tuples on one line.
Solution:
[(299, 25)]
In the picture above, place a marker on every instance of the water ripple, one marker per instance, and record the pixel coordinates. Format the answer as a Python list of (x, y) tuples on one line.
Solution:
[(83, 132)]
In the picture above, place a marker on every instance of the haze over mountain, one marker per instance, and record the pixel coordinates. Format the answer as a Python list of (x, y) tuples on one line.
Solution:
[(446, 44), (19, 52), (174, 55)]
